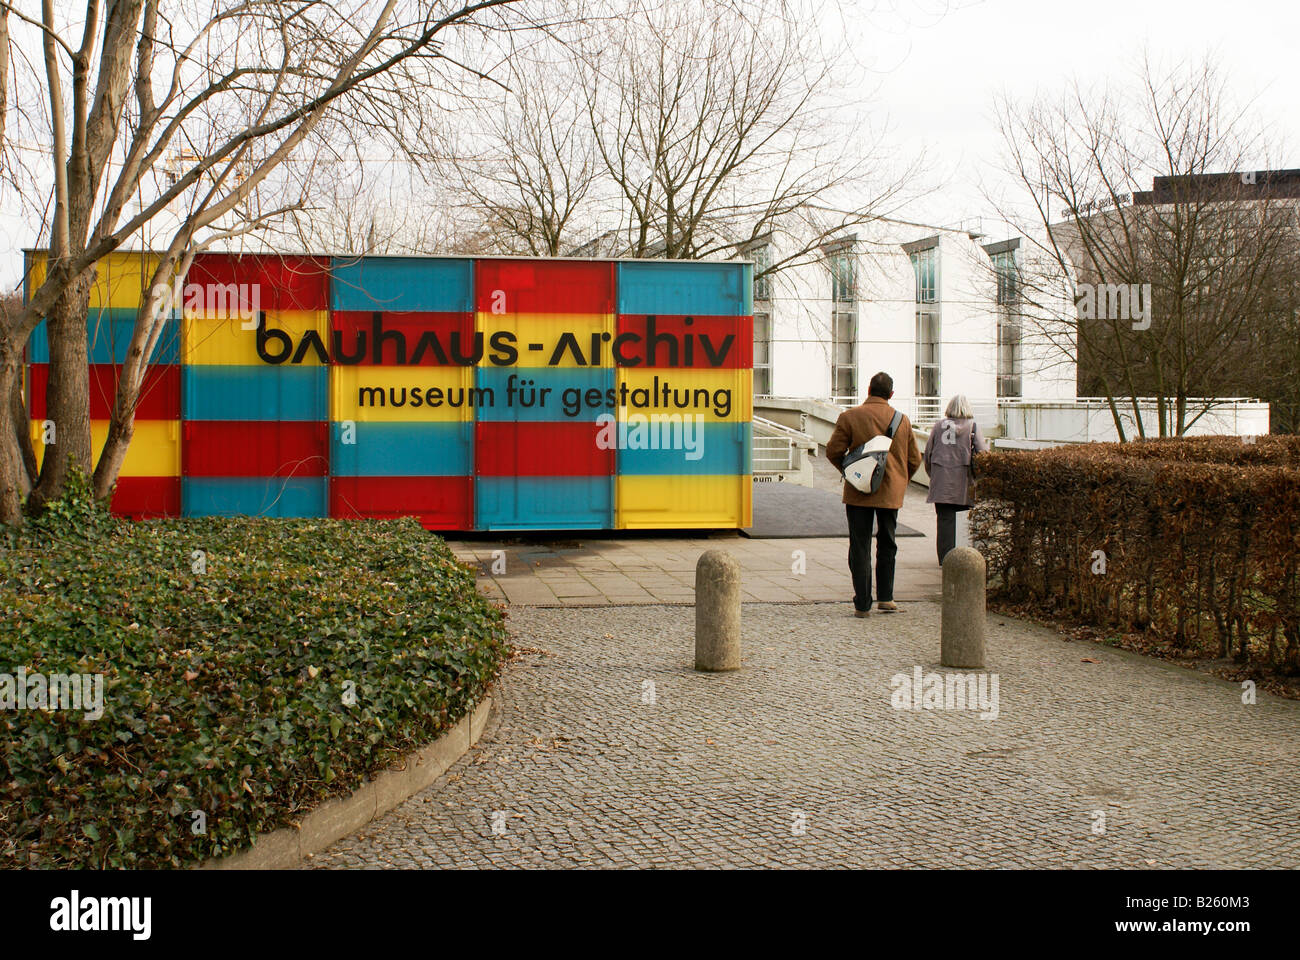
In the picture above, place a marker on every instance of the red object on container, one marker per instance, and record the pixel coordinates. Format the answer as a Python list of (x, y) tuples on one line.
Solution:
[(352, 325), (139, 497), (160, 393), (246, 448), (545, 286), (440, 503), (284, 283), (541, 449), (739, 351)]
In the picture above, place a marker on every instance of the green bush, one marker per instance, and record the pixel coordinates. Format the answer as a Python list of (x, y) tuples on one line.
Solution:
[(308, 655)]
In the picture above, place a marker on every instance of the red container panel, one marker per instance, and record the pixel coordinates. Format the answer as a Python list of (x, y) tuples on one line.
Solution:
[(160, 394), (147, 497), (440, 503), (540, 449), (351, 326), (707, 342), (284, 283), (247, 448), (545, 286)]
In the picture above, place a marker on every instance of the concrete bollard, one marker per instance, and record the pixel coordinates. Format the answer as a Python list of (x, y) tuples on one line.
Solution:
[(962, 641), (717, 611)]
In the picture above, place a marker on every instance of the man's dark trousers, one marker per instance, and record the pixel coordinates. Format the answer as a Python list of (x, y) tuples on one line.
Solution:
[(860, 519)]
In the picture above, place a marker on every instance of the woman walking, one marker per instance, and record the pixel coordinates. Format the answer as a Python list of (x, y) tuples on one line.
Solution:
[(953, 441)]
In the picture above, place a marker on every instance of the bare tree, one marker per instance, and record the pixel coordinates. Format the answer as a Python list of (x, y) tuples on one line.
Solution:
[(4, 76), (682, 130), (10, 308), (362, 205), (1272, 354), (716, 124), (1169, 281), (527, 165), (185, 113)]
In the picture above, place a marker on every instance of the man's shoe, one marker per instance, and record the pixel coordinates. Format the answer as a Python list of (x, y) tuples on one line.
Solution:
[(862, 613), (887, 606)]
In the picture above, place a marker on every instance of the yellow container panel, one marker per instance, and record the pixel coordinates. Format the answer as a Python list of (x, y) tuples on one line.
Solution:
[(402, 394), (720, 396), (684, 502), (155, 449), (546, 332), (120, 278), (225, 341)]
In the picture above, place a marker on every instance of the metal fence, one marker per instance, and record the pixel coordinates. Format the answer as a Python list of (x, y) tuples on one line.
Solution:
[(773, 455), (776, 447)]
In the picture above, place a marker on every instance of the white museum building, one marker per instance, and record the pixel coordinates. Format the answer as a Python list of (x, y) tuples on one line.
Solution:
[(928, 305)]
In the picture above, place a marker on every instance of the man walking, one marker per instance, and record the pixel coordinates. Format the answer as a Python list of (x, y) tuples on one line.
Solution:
[(853, 428)]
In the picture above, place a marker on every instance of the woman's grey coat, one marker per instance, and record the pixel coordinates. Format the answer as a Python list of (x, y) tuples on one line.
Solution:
[(947, 460)]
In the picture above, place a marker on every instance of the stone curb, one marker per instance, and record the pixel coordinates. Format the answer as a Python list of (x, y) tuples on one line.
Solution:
[(337, 818)]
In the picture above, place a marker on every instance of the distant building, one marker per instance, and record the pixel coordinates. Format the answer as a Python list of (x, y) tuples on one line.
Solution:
[(1219, 252), (934, 307)]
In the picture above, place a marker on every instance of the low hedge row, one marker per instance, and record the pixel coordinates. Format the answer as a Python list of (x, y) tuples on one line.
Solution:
[(1195, 542), (243, 684)]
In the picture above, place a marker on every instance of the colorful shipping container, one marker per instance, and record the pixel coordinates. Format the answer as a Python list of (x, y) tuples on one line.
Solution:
[(149, 484), (475, 394)]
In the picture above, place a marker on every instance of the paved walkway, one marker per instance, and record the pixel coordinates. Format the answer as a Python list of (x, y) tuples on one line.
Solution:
[(609, 750), (647, 567)]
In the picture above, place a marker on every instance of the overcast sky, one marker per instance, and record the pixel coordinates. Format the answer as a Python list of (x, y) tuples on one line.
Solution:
[(941, 69), (936, 66)]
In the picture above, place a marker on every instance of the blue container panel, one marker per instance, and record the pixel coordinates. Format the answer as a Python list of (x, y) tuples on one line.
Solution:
[(255, 496), (402, 284), (719, 448), (403, 450), (544, 503), (674, 288), (557, 380), (219, 392), (108, 335)]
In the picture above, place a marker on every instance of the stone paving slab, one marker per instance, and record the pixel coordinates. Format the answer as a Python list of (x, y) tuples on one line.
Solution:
[(644, 567), (784, 510), (799, 759)]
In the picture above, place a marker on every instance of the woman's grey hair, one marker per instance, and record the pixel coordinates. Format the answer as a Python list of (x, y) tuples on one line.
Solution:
[(959, 408)]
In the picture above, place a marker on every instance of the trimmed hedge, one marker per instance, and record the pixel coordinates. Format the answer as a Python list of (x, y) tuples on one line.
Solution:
[(1199, 541), (224, 690)]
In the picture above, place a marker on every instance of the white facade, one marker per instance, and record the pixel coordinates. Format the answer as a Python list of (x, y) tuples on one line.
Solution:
[(1089, 420), (876, 300)]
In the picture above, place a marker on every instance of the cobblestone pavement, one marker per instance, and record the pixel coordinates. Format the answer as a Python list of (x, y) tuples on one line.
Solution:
[(799, 759)]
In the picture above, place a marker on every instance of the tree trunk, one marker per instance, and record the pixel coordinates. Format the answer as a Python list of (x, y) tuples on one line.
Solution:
[(67, 397), (4, 71), (150, 322), (14, 479), (120, 433), (22, 432)]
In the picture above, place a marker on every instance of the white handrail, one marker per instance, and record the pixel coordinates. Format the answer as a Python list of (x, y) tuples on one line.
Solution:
[(771, 426)]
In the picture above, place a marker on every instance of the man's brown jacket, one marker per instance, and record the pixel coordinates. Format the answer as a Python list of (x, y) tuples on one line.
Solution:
[(856, 426)]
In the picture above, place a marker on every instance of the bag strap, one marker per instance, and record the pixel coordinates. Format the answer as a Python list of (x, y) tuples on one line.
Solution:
[(894, 424)]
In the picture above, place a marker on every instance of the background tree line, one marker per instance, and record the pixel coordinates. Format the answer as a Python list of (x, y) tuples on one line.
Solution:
[(1156, 183)]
